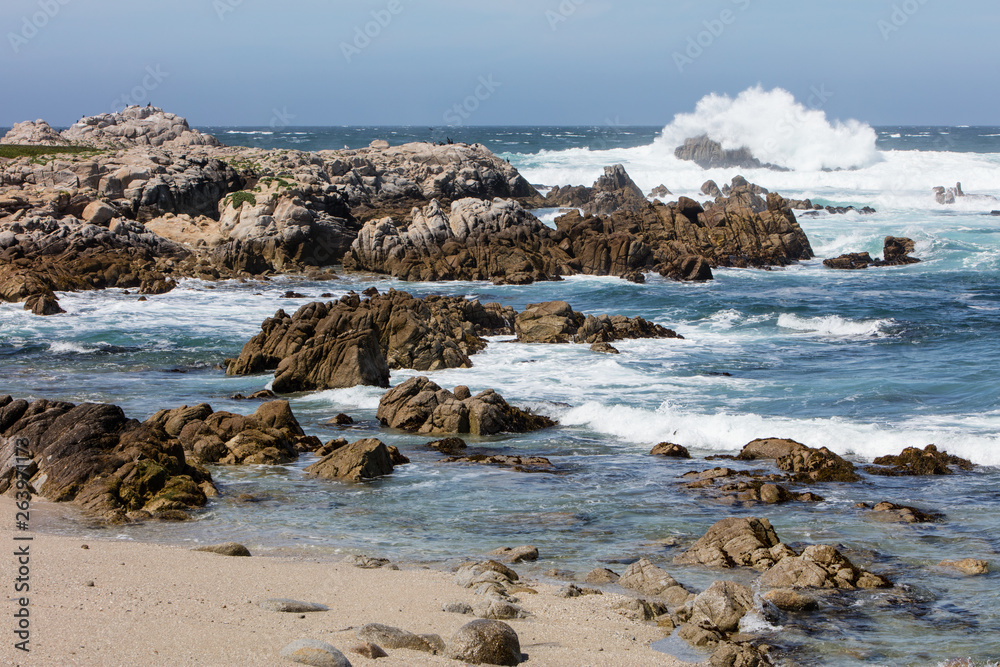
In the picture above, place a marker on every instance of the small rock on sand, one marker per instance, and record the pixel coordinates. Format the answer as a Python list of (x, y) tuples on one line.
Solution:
[(226, 549), (292, 606), (314, 652)]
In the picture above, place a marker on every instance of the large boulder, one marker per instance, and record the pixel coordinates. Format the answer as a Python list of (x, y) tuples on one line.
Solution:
[(734, 542), (364, 459), (806, 465), (91, 454), (722, 606), (648, 579), (421, 406), (485, 642)]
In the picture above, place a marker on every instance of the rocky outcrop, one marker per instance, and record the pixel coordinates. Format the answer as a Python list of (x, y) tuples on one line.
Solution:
[(475, 240), (380, 180), (709, 154), (42, 256), (735, 542), (136, 125), (91, 454), (364, 459), (805, 464), (670, 450), (33, 133), (753, 542), (354, 341), (722, 606), (557, 322), (820, 566), (914, 461), (503, 243), (614, 191), (421, 406), (271, 435), (896, 252)]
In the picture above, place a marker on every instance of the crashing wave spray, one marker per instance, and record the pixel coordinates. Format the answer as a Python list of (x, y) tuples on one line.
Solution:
[(777, 130)]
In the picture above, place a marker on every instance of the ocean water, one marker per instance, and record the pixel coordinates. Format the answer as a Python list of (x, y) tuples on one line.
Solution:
[(865, 363)]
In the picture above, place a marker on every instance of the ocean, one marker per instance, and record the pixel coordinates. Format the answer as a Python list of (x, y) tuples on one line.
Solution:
[(865, 363)]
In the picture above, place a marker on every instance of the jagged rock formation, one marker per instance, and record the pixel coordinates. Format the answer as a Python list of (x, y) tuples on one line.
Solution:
[(751, 542), (475, 240), (92, 455), (421, 406), (136, 125), (503, 243), (557, 322), (709, 154), (805, 464), (896, 252), (271, 435), (379, 179), (914, 461), (41, 256), (352, 342), (614, 191)]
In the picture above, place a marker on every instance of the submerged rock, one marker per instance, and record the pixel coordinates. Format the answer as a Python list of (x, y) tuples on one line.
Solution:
[(896, 252)]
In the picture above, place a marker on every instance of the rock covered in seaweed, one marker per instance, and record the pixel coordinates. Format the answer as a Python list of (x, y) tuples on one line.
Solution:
[(92, 455)]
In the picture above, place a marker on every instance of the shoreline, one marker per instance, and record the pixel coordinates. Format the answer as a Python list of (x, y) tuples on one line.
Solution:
[(154, 604)]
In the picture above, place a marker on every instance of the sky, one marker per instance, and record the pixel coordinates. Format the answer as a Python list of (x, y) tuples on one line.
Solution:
[(495, 62)]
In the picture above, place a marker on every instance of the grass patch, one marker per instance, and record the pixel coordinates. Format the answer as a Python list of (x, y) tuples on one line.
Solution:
[(13, 151), (237, 199)]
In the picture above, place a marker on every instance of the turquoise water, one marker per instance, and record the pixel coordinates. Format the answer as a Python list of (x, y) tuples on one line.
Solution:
[(865, 363)]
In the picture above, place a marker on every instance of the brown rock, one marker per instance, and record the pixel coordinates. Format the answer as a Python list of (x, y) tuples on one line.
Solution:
[(787, 599), (421, 406), (734, 542), (369, 650), (648, 579), (601, 576), (722, 606), (820, 566), (485, 642), (516, 555), (969, 566), (670, 450), (364, 459), (913, 461)]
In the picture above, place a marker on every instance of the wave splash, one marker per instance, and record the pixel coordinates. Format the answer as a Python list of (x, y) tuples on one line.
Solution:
[(777, 129)]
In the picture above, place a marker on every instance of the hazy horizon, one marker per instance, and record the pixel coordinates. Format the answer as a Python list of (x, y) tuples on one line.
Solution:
[(385, 63)]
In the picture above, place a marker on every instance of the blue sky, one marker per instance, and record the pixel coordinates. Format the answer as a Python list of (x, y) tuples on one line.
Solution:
[(552, 62)]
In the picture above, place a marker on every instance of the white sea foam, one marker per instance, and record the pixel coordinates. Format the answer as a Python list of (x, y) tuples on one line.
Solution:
[(68, 347), (759, 119), (833, 325), (777, 130), (971, 437)]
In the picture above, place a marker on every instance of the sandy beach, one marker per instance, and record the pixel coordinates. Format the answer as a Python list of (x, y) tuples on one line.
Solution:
[(157, 605)]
